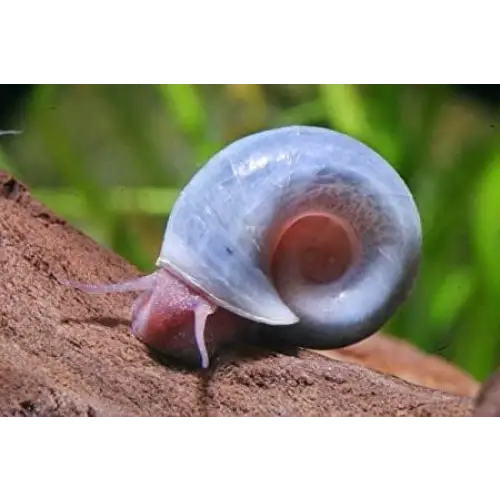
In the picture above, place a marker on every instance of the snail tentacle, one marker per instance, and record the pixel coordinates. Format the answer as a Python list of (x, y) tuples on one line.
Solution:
[(135, 285), (201, 313)]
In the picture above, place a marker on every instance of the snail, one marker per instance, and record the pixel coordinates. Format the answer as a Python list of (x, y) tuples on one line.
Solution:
[(302, 230)]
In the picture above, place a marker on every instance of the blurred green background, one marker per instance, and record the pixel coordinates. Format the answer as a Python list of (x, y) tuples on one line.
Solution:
[(111, 160)]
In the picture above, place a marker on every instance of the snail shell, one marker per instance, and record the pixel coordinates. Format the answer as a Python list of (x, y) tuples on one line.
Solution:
[(300, 228), (218, 235)]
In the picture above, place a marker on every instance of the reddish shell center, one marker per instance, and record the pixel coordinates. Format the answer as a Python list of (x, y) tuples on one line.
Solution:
[(321, 245)]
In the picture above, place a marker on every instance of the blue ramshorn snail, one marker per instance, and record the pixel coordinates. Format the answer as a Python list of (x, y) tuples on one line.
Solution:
[(300, 228)]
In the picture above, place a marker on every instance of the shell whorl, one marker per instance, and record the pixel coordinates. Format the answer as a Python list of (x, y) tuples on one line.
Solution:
[(218, 232)]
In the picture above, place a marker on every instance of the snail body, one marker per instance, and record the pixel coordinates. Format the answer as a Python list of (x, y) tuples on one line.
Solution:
[(302, 229)]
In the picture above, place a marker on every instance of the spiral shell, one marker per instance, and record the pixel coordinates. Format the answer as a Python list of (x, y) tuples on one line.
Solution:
[(221, 234)]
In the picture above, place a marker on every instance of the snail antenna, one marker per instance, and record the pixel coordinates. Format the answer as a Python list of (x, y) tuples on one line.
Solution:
[(10, 132), (201, 313)]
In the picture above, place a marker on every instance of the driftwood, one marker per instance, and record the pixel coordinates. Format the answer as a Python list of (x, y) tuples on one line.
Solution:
[(488, 399), (66, 353)]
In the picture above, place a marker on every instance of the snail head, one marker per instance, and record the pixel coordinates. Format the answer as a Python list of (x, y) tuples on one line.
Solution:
[(170, 316)]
